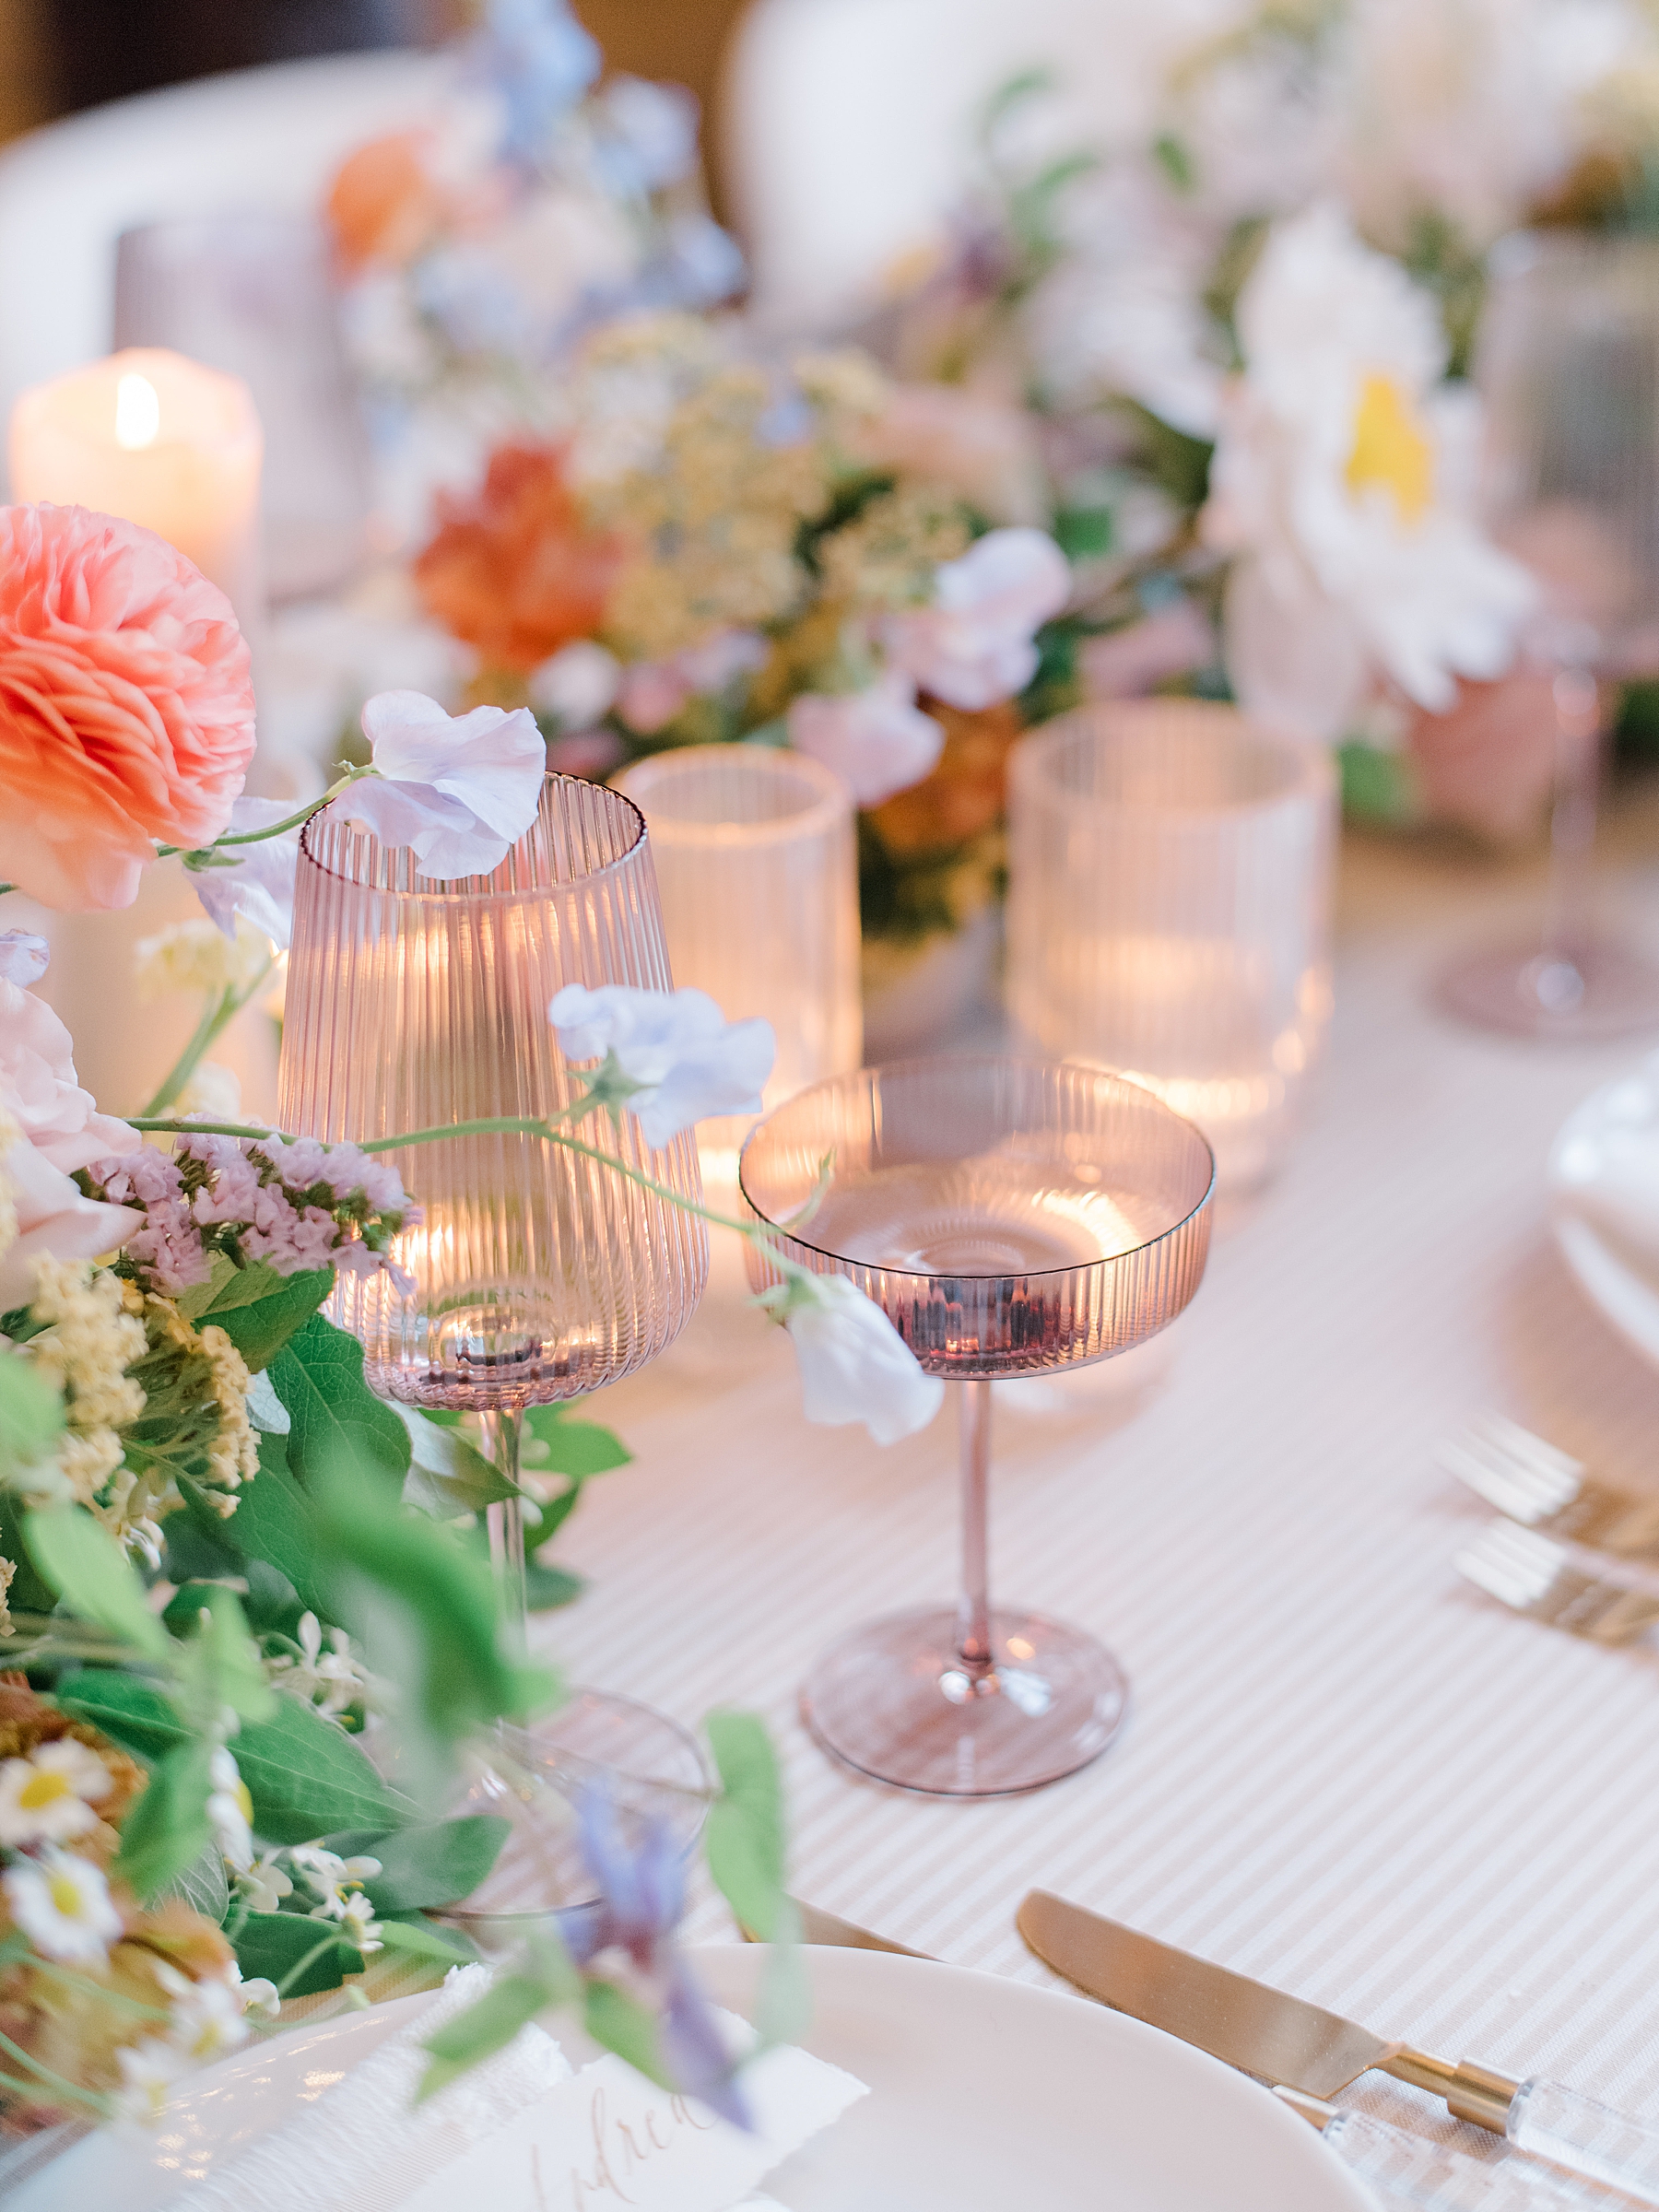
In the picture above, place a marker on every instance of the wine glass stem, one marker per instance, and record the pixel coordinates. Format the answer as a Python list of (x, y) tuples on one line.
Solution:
[(1572, 820), (973, 1612), (506, 1522)]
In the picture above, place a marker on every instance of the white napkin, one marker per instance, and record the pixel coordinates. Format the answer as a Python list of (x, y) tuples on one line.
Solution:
[(1606, 1173), (365, 2146)]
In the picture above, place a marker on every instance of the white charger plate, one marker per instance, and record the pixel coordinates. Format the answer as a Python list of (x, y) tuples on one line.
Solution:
[(984, 2094), (1601, 1212)]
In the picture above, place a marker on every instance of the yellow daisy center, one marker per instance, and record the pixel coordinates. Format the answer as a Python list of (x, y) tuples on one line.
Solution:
[(44, 1788), (66, 1895), (1391, 448)]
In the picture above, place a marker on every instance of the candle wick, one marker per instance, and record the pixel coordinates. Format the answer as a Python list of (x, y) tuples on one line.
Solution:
[(137, 413)]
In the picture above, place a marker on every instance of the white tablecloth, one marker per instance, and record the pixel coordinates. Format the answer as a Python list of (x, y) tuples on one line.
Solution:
[(1345, 1772)]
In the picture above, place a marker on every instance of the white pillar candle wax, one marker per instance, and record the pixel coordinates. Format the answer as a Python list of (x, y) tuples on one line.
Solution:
[(158, 440)]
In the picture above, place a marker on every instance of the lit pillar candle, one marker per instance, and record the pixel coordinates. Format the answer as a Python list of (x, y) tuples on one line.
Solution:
[(158, 440)]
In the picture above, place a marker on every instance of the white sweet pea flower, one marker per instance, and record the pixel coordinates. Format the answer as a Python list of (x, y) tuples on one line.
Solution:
[(976, 644), (1336, 481), (23, 957), (49, 1797), (577, 684), (878, 740), (678, 1057), (257, 880), (458, 790), (855, 1365), (63, 1905)]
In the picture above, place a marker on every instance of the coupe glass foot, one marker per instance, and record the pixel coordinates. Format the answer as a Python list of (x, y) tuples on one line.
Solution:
[(1602, 993), (896, 1700)]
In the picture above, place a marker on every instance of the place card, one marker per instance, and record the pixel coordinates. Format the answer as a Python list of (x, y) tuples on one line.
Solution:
[(608, 2138)]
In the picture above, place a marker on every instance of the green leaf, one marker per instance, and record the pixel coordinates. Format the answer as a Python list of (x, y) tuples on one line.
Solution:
[(204, 1885), (449, 1476), (338, 1420), (230, 1661), (1084, 533), (83, 1563), (306, 1777), (548, 1588), (31, 1415), (274, 1521), (621, 2023), (437, 1865), (259, 1309), (745, 1834), (579, 1448), (28, 1594), (168, 1829), (277, 1945), (419, 1939), (129, 1712), (487, 2027), (1175, 157)]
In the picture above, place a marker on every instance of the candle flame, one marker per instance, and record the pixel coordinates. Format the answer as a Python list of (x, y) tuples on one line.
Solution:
[(137, 413)]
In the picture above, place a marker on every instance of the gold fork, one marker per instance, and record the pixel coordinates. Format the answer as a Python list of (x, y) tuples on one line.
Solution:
[(1535, 1576), (1544, 1489)]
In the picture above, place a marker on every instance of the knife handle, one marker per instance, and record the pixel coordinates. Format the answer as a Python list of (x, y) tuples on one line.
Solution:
[(1408, 2170), (1589, 2138)]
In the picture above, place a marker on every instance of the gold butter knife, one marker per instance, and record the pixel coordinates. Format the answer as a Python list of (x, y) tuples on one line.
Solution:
[(1285, 2040)]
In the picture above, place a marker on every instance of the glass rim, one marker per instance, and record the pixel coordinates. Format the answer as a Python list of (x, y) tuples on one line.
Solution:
[(833, 805), (973, 1060), (1311, 771), (437, 895)]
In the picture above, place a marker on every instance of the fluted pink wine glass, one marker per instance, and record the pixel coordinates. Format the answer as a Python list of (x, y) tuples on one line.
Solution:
[(538, 1275), (1010, 1217)]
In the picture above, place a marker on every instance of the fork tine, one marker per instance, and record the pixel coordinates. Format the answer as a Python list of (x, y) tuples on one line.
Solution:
[(1538, 1578), (1512, 1469)]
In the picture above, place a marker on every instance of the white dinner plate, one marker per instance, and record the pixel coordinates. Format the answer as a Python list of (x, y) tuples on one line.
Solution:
[(1604, 1194), (985, 2095)]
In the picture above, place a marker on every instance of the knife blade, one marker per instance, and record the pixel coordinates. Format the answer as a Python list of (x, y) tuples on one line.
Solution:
[(1280, 2039)]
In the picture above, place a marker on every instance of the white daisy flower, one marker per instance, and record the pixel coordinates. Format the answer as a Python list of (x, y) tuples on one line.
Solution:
[(358, 1925), (63, 1905), (148, 2071), (1341, 482), (48, 1798), (230, 1810), (207, 2021)]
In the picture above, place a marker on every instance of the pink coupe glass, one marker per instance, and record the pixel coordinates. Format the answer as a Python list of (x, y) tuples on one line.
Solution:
[(1010, 1217)]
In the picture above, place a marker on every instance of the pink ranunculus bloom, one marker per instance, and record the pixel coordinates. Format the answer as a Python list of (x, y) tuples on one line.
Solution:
[(127, 705), (976, 644), (1126, 663), (878, 740), (983, 447), (38, 1090)]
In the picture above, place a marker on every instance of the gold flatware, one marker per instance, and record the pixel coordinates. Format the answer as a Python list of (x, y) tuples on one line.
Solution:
[(829, 1929), (1542, 1487), (1534, 1575)]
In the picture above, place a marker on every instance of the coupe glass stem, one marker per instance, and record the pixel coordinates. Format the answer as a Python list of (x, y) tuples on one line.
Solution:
[(502, 1433), (973, 1611), (1559, 978)]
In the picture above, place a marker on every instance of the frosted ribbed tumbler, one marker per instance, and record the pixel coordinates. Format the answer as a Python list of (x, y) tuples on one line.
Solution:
[(1169, 912), (414, 1004), (757, 863)]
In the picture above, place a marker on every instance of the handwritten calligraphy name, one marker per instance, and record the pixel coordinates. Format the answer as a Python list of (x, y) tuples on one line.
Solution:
[(622, 2147)]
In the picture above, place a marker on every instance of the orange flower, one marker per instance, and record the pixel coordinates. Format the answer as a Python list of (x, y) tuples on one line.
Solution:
[(1489, 764), (515, 571), (126, 706), (384, 203), (965, 794)]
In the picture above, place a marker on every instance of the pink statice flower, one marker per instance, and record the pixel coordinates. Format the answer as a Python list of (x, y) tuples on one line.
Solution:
[(168, 1250)]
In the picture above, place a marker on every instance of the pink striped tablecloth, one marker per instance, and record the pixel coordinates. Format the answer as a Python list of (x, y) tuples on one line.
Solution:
[(1345, 1772)]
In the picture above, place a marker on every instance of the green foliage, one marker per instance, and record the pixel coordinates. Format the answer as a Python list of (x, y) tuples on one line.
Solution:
[(301, 1954), (130, 1711), (576, 1448), (419, 1939), (1175, 157), (275, 1521), (31, 1417), (306, 1777), (1376, 785), (490, 2024), (621, 2023), (336, 1419), (204, 1885), (79, 1560), (448, 1476), (745, 1846), (1177, 463), (1055, 685), (259, 1309), (424, 1867), (167, 1829), (548, 1588)]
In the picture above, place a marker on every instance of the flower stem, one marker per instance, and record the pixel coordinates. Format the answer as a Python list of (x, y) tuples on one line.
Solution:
[(297, 820), (47, 2078), (216, 1015)]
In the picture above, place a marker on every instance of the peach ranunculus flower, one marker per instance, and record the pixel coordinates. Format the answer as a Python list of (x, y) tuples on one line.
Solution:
[(1488, 765), (126, 704), (517, 572), (385, 203)]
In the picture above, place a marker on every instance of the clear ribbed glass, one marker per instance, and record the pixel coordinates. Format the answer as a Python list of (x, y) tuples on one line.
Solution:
[(1568, 365), (1169, 912), (757, 866), (1009, 1218)]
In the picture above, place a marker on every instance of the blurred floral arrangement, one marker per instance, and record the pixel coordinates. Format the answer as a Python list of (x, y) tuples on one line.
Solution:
[(718, 547), (1243, 341), (221, 1555)]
